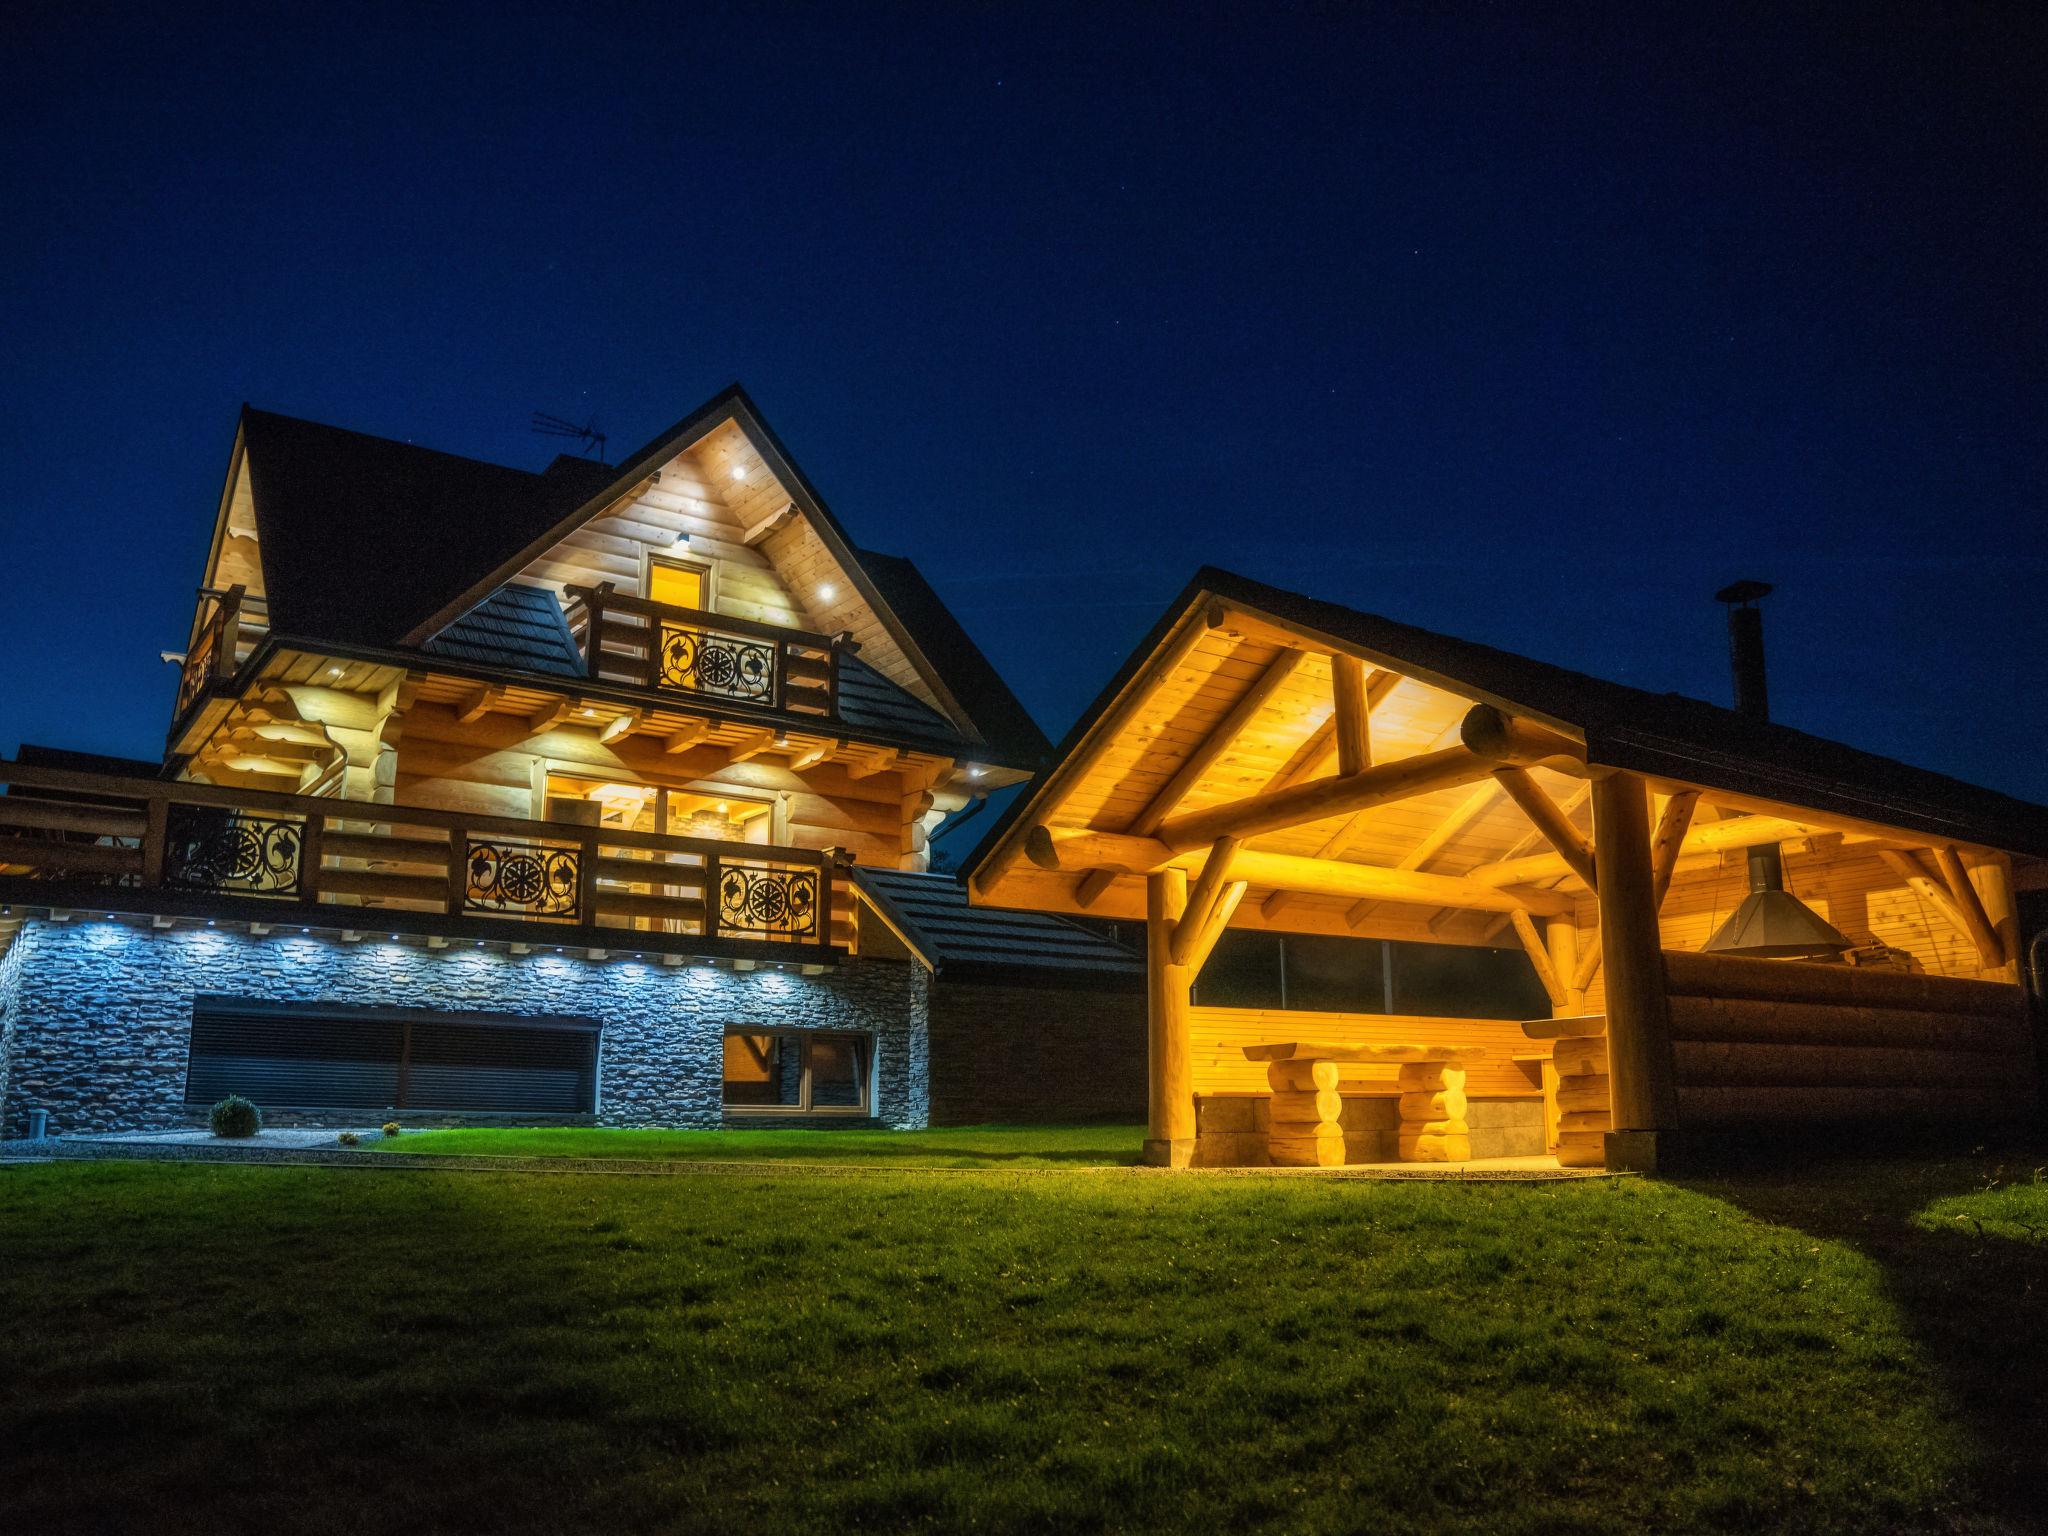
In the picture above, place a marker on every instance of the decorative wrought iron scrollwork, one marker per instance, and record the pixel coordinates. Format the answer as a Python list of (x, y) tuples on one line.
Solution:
[(210, 848), (703, 661), (522, 879), (757, 898)]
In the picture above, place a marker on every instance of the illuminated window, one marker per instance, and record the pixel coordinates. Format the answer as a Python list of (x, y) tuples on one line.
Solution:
[(802, 1073), (677, 584)]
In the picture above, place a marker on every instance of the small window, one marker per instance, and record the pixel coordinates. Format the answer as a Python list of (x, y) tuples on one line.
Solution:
[(807, 1072), (678, 585)]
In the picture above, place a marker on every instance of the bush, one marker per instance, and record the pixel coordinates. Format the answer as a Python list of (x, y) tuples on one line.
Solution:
[(348, 1138), (235, 1116), (391, 1127)]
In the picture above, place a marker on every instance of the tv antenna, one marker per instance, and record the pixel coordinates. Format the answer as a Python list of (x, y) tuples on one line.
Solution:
[(589, 434)]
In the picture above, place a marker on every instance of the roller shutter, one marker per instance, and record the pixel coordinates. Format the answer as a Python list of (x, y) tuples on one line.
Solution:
[(336, 1056)]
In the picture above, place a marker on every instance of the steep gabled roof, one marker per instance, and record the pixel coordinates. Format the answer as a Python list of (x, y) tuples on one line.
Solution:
[(363, 538), (1660, 734), (369, 542), (931, 914)]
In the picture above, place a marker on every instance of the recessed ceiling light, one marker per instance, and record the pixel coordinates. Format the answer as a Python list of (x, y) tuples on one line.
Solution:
[(739, 471), (589, 714), (827, 592)]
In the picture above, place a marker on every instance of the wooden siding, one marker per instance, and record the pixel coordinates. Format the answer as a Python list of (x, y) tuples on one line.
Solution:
[(1220, 1067)]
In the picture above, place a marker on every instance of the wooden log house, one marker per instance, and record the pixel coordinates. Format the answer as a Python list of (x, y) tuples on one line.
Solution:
[(496, 791), (1265, 761)]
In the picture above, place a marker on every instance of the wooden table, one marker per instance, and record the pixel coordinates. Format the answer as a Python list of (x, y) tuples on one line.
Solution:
[(1302, 1126)]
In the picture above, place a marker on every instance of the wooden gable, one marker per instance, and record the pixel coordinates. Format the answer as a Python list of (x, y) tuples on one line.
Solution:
[(718, 503)]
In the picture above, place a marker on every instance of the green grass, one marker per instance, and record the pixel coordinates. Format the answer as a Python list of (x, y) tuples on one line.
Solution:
[(2017, 1210), (264, 1349), (976, 1146)]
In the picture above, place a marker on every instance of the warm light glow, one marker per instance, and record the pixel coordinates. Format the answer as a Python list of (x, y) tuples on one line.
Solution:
[(739, 471), (827, 592), (590, 714), (975, 770)]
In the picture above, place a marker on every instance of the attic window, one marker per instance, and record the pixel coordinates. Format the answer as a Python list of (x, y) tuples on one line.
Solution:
[(679, 583)]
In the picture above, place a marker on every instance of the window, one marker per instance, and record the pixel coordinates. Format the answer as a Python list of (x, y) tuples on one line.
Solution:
[(798, 1072), (678, 584), (1324, 973)]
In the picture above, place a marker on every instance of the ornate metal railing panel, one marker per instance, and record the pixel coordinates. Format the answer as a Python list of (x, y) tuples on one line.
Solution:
[(207, 848), (521, 879), (728, 666), (762, 899)]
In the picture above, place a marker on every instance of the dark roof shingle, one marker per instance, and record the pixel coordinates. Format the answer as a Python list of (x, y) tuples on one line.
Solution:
[(931, 911)]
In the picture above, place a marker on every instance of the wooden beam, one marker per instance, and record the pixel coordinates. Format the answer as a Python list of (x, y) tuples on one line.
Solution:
[(1202, 898), (879, 762), (1929, 887), (1319, 748), (1092, 885), (477, 703), (1669, 840), (549, 715), (812, 755), (1975, 922), (751, 746), (1170, 1079), (1352, 715), (1216, 743), (1203, 941), (1300, 804), (1589, 963), (1504, 738), (1567, 840), (623, 725), (1072, 850), (1709, 837), (686, 736), (1539, 956)]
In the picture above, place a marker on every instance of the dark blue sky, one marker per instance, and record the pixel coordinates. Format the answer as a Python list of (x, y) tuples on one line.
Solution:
[(1530, 332)]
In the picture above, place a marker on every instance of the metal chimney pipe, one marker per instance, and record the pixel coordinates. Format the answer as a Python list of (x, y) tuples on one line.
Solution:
[(1746, 646)]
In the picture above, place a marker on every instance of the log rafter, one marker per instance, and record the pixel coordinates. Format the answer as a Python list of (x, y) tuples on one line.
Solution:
[(1569, 843)]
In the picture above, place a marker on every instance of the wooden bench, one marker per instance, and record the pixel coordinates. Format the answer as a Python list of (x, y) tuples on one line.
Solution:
[(1302, 1126)]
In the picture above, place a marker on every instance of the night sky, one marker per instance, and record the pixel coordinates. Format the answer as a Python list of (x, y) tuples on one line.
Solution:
[(1529, 332)]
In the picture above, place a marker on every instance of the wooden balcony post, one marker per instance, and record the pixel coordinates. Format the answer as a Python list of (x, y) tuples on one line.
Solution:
[(458, 870), (1642, 1086), (309, 857), (1170, 1117), (155, 832), (593, 626), (712, 870), (230, 632), (586, 879)]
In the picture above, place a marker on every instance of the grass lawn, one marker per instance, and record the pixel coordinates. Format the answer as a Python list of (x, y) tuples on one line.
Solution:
[(231, 1348), (974, 1146)]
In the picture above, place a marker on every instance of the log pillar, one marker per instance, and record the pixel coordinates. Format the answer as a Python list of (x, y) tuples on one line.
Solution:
[(1433, 1128), (1991, 876), (1561, 941), (1170, 1117), (1642, 1082)]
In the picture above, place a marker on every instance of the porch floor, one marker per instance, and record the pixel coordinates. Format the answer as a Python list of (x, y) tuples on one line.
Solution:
[(1479, 1168)]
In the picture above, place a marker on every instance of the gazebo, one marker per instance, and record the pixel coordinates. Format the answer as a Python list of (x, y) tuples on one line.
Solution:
[(1739, 926)]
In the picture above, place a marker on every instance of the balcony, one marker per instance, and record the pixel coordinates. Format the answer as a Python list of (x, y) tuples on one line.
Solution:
[(688, 653), (98, 843), (232, 622)]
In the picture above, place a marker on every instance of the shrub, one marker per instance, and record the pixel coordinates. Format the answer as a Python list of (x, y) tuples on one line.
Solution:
[(348, 1138), (391, 1127), (235, 1116)]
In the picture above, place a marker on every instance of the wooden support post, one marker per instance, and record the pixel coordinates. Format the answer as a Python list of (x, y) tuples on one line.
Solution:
[(1557, 829), (1561, 939), (1991, 949), (1353, 715), (1672, 826), (1092, 885), (1990, 877), (1643, 1092), (1170, 1117), (1202, 902)]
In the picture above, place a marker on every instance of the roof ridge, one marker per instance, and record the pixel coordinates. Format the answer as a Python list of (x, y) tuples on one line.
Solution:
[(249, 410)]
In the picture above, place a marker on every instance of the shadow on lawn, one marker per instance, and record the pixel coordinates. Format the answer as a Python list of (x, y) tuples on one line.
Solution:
[(1976, 1303)]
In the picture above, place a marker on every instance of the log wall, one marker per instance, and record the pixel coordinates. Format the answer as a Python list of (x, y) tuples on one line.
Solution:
[(1783, 1044)]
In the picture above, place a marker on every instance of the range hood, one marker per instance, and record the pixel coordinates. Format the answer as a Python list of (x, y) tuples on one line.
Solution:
[(1771, 923)]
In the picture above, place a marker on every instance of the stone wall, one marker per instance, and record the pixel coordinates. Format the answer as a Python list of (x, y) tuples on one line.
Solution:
[(1230, 1128), (97, 1016), (1024, 1053)]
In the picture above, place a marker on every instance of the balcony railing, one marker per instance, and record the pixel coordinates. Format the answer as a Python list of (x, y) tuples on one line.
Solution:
[(705, 656), (233, 621), (141, 845)]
